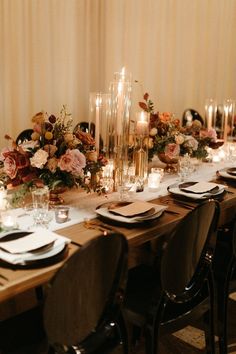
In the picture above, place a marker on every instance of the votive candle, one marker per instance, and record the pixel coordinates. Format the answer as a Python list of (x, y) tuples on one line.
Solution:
[(142, 123), (154, 181)]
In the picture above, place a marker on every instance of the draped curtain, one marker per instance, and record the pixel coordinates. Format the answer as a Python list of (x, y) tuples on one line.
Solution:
[(54, 52)]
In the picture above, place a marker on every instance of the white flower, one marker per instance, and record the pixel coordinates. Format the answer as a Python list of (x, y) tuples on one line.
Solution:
[(39, 159), (179, 139), (68, 137), (153, 132), (191, 142)]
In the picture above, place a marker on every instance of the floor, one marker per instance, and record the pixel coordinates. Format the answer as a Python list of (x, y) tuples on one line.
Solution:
[(187, 341), (191, 339)]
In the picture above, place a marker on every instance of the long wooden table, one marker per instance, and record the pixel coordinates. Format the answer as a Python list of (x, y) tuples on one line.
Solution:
[(15, 282)]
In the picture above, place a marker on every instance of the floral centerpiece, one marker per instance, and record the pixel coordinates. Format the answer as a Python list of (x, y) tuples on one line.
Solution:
[(54, 156), (167, 137)]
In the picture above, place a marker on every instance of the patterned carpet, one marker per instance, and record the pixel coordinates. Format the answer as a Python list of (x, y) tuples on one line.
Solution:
[(190, 340)]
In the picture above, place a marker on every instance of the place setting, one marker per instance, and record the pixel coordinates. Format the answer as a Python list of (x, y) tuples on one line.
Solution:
[(133, 212), (228, 174), (197, 191), (26, 249)]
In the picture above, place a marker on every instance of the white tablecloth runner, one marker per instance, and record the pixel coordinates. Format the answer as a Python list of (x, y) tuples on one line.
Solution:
[(83, 205)]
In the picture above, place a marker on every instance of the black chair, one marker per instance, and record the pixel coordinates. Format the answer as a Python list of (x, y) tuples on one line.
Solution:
[(225, 274), (85, 127), (82, 306), (165, 300), (25, 135), (191, 115)]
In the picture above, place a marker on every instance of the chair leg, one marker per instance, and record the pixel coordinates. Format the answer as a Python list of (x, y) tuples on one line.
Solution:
[(152, 337), (222, 310), (209, 319), (123, 334)]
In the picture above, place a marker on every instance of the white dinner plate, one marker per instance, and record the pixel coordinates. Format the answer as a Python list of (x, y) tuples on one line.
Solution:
[(174, 189), (37, 255), (223, 173), (104, 211)]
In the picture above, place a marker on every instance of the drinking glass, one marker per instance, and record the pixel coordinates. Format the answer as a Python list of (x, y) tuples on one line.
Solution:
[(40, 200), (185, 167)]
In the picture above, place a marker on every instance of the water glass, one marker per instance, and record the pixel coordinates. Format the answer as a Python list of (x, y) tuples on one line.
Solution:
[(40, 200), (185, 167)]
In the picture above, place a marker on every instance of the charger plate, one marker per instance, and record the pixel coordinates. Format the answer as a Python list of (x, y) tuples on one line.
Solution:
[(41, 258), (227, 173), (177, 190), (105, 211)]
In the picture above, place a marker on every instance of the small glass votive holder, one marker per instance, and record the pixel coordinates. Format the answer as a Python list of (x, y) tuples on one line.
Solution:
[(154, 180), (8, 221), (61, 214), (158, 170)]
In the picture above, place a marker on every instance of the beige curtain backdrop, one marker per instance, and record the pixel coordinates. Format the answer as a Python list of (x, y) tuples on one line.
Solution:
[(54, 52)]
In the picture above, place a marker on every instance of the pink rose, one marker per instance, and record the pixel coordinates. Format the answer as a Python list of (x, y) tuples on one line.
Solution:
[(211, 134), (72, 161), (10, 167), (13, 162), (4, 152), (172, 150)]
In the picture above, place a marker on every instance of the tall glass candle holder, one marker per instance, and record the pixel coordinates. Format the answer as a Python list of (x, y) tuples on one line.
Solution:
[(118, 127), (99, 116), (141, 146), (210, 112), (228, 120), (95, 101)]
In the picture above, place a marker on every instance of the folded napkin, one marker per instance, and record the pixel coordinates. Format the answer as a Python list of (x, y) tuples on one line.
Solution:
[(132, 209), (30, 242), (201, 187), (58, 244), (177, 190)]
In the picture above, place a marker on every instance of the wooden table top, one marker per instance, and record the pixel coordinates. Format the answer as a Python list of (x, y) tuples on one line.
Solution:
[(13, 282)]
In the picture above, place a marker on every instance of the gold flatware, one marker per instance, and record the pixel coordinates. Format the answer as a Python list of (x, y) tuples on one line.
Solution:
[(181, 203), (97, 225), (168, 211)]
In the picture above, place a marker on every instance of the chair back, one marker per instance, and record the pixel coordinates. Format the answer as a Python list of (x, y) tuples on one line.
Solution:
[(234, 239), (189, 251), (86, 291), (85, 127), (190, 115), (25, 135)]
